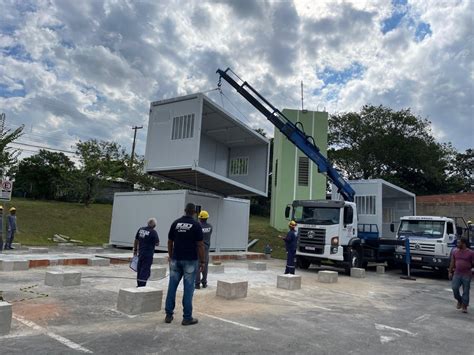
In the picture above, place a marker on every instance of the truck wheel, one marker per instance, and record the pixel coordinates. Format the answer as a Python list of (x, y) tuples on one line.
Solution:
[(354, 260), (302, 263)]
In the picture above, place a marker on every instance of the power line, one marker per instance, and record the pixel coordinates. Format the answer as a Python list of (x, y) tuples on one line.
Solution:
[(44, 147)]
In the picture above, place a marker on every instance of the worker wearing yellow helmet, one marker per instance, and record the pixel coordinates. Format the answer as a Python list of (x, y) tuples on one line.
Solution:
[(1, 228), (206, 233), (11, 228), (290, 245)]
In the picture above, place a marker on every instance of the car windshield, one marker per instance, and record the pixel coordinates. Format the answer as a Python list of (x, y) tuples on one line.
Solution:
[(429, 229), (316, 215)]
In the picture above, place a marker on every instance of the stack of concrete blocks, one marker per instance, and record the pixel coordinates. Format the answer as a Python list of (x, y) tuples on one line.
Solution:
[(38, 250), (14, 265), (5, 317), (380, 269), (60, 278), (357, 272), (257, 266), (232, 289), (139, 300), (289, 282), (157, 273), (98, 262), (328, 277), (216, 269)]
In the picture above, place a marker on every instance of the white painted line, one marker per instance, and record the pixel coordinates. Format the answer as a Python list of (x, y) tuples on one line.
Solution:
[(386, 327), (229, 321), (299, 303), (387, 339), (59, 338), (422, 318)]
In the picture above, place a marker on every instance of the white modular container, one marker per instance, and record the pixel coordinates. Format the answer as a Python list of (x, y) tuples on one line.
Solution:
[(380, 203), (228, 216), (193, 141)]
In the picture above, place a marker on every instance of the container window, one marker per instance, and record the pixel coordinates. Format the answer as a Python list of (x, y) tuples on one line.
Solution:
[(303, 171), (183, 127), (276, 172), (239, 166), (366, 205)]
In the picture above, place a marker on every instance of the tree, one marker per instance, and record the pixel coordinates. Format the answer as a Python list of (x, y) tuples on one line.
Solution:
[(101, 161), (461, 171), (46, 175), (8, 157), (145, 181), (393, 145)]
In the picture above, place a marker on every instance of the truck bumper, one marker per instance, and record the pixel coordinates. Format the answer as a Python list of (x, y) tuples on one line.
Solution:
[(336, 257), (419, 260)]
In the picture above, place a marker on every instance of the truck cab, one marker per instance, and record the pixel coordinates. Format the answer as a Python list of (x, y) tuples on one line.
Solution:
[(327, 231), (431, 241)]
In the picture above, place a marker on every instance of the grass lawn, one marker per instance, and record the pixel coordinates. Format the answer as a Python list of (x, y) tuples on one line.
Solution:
[(40, 220)]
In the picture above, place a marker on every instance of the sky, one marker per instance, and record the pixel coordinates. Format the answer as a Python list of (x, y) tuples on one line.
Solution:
[(73, 70)]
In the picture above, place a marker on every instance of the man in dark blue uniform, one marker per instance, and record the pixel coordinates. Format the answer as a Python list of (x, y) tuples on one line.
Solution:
[(206, 233), (146, 240), (290, 245), (185, 246)]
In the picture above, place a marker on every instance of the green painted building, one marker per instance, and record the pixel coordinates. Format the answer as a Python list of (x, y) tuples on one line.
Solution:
[(295, 177)]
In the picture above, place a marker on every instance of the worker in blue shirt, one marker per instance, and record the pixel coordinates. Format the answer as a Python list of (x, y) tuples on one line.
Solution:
[(206, 233), (146, 240), (290, 245), (11, 228)]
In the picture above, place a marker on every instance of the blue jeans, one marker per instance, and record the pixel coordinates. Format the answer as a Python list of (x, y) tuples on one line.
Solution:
[(456, 283), (179, 269)]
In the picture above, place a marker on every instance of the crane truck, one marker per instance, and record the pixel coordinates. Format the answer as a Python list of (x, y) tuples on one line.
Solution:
[(328, 230)]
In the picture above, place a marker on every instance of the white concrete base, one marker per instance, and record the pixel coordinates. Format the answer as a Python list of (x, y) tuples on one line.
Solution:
[(160, 260), (328, 277), (139, 300), (232, 289), (157, 273), (357, 272), (257, 266), (38, 250), (61, 278), (14, 265), (98, 262), (289, 282), (5, 317), (380, 269), (216, 269)]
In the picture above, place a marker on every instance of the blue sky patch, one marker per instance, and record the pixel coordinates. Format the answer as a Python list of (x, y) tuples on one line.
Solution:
[(331, 76), (18, 52), (6, 92), (422, 30)]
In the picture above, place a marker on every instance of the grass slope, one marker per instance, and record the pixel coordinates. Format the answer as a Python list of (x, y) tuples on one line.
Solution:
[(40, 220)]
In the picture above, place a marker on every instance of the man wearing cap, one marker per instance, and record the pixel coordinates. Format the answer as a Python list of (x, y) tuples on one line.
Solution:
[(185, 247), (146, 240), (290, 245), (206, 232), (1, 228), (11, 228)]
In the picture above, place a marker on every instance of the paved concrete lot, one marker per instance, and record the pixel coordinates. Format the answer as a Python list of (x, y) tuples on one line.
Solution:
[(380, 314)]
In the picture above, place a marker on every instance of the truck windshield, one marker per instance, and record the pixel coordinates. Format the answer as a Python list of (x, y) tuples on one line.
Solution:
[(316, 215), (429, 229)]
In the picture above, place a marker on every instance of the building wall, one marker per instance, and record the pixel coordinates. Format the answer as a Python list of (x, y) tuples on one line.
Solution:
[(449, 205), (285, 166)]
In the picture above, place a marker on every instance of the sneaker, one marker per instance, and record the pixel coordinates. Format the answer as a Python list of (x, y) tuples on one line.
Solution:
[(168, 318), (459, 305), (464, 309), (189, 321), (197, 287), (204, 285)]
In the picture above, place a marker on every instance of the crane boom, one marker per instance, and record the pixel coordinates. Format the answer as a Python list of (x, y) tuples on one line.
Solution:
[(291, 131)]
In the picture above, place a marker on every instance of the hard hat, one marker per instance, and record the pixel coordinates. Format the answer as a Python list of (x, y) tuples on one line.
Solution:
[(1, 207), (203, 215), (468, 222), (12, 209), (292, 224)]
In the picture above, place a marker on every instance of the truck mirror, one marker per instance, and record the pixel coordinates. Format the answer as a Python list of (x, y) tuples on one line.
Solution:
[(287, 212), (348, 215), (392, 227)]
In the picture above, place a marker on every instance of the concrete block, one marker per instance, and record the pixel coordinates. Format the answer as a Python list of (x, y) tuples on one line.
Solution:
[(357, 272), (14, 265), (60, 278), (160, 260), (241, 257), (98, 262), (66, 245), (107, 246), (38, 250), (328, 277), (216, 269), (380, 269), (16, 245), (95, 250), (268, 256), (139, 300), (289, 282), (157, 273), (257, 266), (5, 317), (232, 289)]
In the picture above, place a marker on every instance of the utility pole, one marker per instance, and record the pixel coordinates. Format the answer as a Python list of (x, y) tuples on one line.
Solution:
[(135, 128), (302, 98)]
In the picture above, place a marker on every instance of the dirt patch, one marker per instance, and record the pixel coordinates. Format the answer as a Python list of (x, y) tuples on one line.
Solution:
[(41, 312)]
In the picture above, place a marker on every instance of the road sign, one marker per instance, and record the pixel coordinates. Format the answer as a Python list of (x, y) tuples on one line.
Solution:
[(6, 190)]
